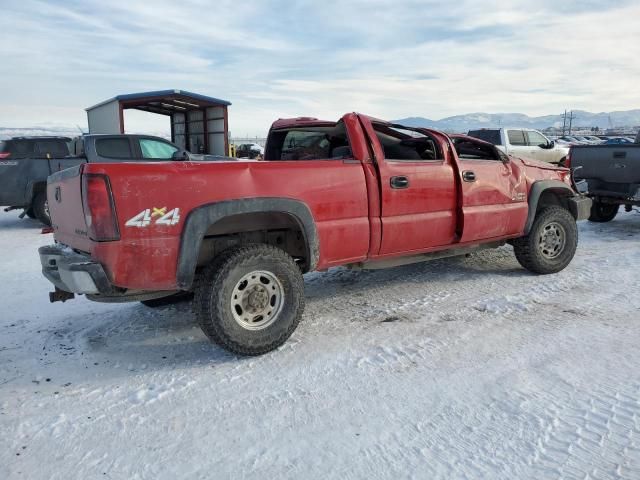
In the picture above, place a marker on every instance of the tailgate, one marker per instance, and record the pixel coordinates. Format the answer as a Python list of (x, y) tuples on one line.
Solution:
[(607, 163), (64, 194)]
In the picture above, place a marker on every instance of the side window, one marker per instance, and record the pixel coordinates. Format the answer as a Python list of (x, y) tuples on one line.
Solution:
[(401, 144), (469, 149), (516, 138), (536, 139), (114, 147), (53, 148), (21, 149), (309, 143), (156, 149)]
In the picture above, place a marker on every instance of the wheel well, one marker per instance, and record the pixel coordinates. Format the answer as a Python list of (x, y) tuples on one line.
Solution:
[(554, 198), (279, 229)]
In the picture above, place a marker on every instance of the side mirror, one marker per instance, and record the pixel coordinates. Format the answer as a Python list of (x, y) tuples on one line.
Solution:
[(180, 156)]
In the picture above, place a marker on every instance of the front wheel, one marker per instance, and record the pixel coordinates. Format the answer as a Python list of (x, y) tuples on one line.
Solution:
[(603, 212), (551, 244), (250, 299)]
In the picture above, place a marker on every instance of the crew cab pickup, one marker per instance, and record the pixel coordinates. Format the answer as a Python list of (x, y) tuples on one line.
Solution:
[(609, 174), (359, 192), (524, 143)]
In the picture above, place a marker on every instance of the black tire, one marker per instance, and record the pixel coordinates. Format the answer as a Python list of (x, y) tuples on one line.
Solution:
[(169, 300), (30, 213), (234, 319), (603, 212), (41, 208), (551, 244)]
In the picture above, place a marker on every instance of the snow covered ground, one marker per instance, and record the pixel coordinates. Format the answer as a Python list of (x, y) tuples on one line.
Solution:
[(458, 368)]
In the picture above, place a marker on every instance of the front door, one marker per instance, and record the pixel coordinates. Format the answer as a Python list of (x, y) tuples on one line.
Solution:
[(518, 145), (538, 145), (418, 189), (494, 192)]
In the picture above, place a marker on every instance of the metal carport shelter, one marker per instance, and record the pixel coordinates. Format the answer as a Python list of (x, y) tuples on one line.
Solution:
[(199, 123)]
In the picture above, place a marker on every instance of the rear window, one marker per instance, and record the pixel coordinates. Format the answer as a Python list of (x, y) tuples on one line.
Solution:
[(491, 136), (20, 148), (309, 143), (53, 148), (114, 147)]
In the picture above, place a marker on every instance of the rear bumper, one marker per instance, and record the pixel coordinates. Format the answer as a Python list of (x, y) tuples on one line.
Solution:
[(73, 272), (580, 207)]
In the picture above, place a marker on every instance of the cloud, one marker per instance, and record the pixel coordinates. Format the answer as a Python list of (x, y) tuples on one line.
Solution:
[(274, 59)]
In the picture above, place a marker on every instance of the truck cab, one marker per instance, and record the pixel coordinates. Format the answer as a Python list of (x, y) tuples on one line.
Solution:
[(523, 142)]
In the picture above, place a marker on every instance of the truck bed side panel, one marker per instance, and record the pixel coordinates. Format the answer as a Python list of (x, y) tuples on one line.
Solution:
[(146, 256)]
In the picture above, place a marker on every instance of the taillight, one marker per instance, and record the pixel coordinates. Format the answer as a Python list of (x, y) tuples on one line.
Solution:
[(5, 155), (567, 160), (99, 209)]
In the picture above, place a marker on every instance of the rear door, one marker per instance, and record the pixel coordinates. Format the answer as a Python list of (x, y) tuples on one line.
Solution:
[(418, 188), (494, 198)]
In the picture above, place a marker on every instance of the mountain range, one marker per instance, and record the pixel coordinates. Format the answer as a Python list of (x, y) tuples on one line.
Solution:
[(582, 118)]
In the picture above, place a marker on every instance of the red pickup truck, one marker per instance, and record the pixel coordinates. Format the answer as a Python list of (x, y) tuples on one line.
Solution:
[(359, 192)]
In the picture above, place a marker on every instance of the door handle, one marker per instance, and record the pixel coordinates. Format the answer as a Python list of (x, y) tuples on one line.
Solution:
[(399, 182), (468, 176)]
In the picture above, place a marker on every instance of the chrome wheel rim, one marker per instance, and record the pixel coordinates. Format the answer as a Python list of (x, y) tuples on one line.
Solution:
[(257, 300), (552, 240)]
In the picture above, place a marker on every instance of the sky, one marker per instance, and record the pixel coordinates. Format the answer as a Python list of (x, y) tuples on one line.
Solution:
[(276, 59)]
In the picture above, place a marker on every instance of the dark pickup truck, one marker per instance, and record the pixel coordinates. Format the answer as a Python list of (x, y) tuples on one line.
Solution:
[(26, 162), (609, 174)]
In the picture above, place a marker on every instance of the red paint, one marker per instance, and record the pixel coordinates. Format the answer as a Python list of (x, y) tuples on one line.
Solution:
[(357, 213)]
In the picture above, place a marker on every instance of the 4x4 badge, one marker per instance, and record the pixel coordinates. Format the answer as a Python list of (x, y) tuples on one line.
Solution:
[(146, 217)]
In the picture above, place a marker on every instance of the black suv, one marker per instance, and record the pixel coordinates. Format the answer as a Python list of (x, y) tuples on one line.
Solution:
[(25, 164)]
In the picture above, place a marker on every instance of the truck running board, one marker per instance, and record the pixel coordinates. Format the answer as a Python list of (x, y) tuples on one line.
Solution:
[(423, 257)]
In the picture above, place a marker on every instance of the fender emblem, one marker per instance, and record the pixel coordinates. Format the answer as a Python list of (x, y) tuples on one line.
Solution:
[(58, 195)]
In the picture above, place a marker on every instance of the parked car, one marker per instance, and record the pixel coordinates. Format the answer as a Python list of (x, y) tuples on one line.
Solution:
[(523, 142), (359, 192), (618, 141), (26, 162), (609, 174), (249, 150), (572, 140)]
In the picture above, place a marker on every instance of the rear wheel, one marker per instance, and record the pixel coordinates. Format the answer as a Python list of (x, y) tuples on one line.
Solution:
[(250, 299), (551, 244), (40, 208), (603, 212)]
